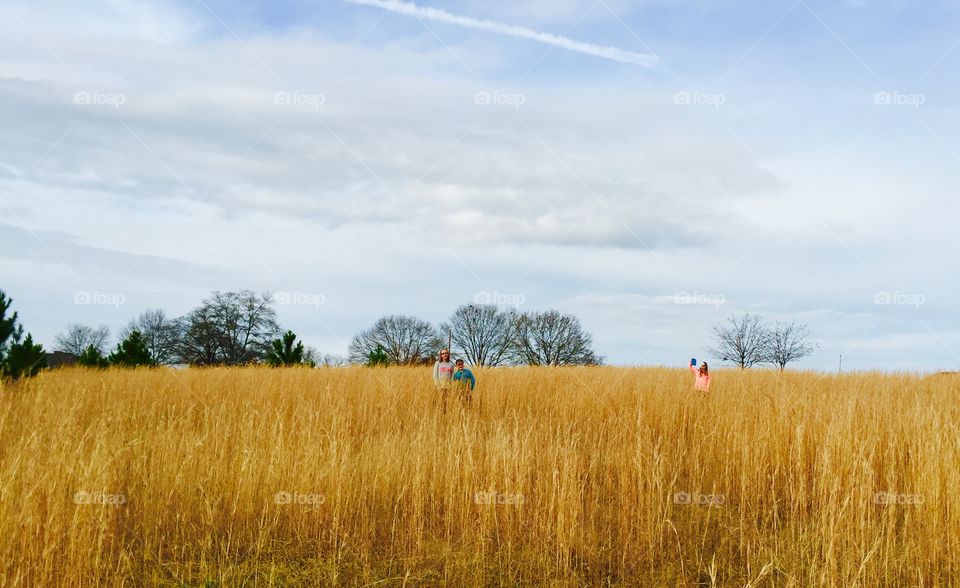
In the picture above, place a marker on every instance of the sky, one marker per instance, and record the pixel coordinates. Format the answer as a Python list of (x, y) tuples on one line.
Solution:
[(653, 167)]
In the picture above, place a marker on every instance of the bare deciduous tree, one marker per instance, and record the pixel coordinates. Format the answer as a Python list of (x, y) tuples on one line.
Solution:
[(327, 359), (788, 342), (551, 338), (77, 338), (406, 340), (198, 340), (230, 328), (742, 341), (248, 323), (481, 333), (158, 332)]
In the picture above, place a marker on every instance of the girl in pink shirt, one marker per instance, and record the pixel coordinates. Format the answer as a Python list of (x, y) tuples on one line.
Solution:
[(702, 381)]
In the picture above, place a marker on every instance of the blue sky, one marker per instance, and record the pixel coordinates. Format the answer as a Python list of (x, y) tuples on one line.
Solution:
[(793, 159)]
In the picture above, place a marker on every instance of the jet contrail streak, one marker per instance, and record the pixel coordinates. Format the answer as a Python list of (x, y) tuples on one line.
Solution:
[(435, 14)]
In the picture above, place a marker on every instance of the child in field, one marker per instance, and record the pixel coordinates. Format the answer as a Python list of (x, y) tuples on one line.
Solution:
[(443, 371), (702, 376), (465, 380)]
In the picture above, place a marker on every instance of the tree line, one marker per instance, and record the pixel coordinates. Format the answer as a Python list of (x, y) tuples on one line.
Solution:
[(238, 328), (226, 329), (480, 334), (241, 328)]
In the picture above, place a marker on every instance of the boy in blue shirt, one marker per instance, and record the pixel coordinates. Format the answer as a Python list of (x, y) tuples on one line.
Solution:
[(465, 381)]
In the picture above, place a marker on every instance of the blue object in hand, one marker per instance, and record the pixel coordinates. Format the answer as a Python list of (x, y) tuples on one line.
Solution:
[(693, 361)]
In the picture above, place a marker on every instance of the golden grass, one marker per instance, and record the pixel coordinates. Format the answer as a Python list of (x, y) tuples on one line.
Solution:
[(585, 464)]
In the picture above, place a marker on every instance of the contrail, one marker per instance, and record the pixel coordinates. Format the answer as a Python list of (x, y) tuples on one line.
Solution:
[(411, 9)]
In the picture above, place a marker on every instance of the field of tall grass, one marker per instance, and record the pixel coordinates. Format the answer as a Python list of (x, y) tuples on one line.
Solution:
[(554, 476)]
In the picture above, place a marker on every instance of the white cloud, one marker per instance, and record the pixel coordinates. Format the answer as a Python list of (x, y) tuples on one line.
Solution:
[(152, 21)]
